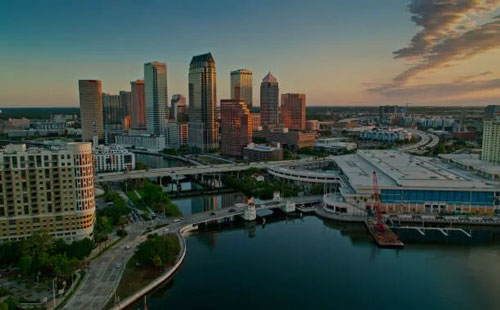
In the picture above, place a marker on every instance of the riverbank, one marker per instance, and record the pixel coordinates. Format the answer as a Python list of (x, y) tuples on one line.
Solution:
[(136, 283)]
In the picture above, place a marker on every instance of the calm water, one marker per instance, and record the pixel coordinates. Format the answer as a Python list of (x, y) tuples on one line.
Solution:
[(206, 203), (309, 263)]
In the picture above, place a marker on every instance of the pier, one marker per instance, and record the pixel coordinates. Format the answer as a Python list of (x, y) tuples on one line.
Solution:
[(384, 239)]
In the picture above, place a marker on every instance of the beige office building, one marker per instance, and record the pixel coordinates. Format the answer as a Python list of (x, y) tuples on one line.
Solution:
[(50, 190), (241, 86), (491, 141), (91, 109)]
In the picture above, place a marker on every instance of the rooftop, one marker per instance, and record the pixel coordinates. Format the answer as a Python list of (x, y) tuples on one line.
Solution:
[(269, 78), (398, 169), (203, 58)]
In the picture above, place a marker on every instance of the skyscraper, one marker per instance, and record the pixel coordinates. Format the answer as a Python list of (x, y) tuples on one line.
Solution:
[(178, 108), (241, 86), (155, 89), (293, 111), (491, 141), (203, 131), (269, 102), (91, 109), (138, 109), (236, 127), (126, 108), (111, 109)]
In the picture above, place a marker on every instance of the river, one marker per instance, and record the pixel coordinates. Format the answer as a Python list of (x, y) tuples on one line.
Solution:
[(310, 263)]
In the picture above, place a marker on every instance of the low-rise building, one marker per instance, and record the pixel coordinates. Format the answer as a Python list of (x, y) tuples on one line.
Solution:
[(143, 141), (260, 152), (386, 134), (112, 158), (312, 125), (334, 146), (293, 140)]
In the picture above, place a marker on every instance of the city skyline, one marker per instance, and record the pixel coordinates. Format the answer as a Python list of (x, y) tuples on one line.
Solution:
[(350, 53)]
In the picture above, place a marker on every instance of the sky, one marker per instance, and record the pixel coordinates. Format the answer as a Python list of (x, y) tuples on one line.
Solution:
[(337, 52)]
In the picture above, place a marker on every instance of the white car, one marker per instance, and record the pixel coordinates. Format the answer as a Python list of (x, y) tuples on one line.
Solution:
[(118, 265), (177, 220)]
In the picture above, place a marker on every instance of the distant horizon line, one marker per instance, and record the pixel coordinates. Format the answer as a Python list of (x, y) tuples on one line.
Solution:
[(307, 106)]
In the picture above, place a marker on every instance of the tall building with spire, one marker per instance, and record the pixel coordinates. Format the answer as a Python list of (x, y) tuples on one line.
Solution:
[(269, 102), (203, 129), (91, 109), (236, 127), (138, 104), (155, 90), (241, 86), (293, 111)]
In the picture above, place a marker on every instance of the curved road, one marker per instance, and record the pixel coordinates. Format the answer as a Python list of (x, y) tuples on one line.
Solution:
[(427, 140)]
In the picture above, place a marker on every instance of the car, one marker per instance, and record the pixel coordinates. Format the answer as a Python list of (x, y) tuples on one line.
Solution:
[(118, 265), (127, 247), (231, 210), (177, 220), (212, 213)]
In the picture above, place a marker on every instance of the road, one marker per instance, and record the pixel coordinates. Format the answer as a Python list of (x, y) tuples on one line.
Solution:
[(199, 170), (427, 141)]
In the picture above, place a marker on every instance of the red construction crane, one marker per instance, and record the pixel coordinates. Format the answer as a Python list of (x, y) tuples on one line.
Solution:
[(376, 204)]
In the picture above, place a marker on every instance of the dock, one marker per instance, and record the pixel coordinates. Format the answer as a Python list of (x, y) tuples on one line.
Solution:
[(383, 239)]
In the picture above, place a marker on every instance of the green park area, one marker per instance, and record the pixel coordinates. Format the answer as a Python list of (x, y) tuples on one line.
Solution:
[(248, 185), (151, 258), (35, 264), (147, 194)]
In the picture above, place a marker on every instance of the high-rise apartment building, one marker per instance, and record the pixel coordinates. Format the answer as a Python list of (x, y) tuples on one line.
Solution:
[(491, 141), (138, 104), (178, 110), (126, 107), (91, 109), (241, 86), (155, 88), (50, 190), (112, 111), (203, 129), (293, 111), (269, 102), (236, 127)]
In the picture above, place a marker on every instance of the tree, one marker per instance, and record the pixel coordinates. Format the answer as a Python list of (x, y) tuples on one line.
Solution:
[(25, 265)]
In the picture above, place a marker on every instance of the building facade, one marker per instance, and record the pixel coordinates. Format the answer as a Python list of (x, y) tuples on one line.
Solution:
[(256, 121), (138, 104), (178, 111), (146, 142), (236, 127), (50, 190), (312, 125), (155, 90), (91, 109), (112, 158), (269, 102), (491, 141), (241, 86), (112, 111), (293, 140), (259, 152), (293, 111), (203, 126), (126, 107)]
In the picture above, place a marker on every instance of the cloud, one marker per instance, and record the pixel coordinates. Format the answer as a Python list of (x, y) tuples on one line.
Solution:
[(441, 20), (460, 86), (450, 32)]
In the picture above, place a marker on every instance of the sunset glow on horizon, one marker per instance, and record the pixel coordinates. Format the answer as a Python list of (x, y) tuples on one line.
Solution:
[(358, 52)]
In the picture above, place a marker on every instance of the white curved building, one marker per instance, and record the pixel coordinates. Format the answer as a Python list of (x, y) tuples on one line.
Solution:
[(48, 190)]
